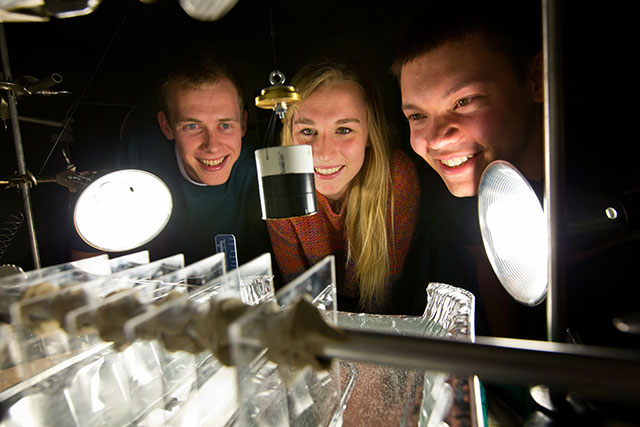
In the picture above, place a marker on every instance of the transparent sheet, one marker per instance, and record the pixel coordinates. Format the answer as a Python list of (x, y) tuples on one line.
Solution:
[(213, 401), (20, 345), (252, 282), (144, 384), (147, 385), (52, 364), (355, 393), (36, 336), (303, 399), (13, 287)]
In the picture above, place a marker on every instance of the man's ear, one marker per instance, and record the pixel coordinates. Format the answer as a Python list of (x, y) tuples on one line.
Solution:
[(245, 115), (164, 126), (536, 77)]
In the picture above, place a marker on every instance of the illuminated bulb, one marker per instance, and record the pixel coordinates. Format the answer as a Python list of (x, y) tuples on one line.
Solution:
[(123, 210), (514, 232)]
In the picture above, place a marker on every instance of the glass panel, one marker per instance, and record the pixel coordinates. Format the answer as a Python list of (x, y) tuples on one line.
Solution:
[(352, 393), (66, 379), (210, 391), (268, 399), (14, 288)]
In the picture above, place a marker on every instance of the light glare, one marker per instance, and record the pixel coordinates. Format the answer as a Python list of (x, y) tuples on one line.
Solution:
[(514, 232), (123, 210)]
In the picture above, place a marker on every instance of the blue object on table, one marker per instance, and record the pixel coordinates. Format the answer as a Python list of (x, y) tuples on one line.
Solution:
[(227, 243)]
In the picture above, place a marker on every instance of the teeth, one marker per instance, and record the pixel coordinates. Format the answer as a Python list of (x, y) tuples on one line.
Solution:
[(328, 171), (452, 163), (215, 162)]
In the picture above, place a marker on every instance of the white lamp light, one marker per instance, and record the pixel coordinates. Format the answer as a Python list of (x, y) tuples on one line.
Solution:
[(207, 10), (123, 210), (514, 232)]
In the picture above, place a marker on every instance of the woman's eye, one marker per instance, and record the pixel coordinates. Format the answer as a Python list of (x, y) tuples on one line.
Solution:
[(307, 132), (343, 131)]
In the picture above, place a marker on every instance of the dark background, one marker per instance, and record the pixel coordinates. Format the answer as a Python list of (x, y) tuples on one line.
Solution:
[(109, 61), (111, 58)]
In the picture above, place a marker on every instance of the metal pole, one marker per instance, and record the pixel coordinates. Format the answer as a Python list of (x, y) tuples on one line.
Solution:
[(17, 140), (554, 156), (597, 371)]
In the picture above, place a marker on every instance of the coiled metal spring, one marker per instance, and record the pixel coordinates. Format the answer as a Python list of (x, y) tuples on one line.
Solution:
[(8, 230)]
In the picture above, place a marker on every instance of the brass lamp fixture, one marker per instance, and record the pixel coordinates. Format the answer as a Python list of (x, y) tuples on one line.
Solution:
[(278, 96)]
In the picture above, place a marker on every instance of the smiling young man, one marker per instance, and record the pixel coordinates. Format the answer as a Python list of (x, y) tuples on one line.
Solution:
[(467, 107), (471, 86), (207, 123), (196, 147), (472, 93)]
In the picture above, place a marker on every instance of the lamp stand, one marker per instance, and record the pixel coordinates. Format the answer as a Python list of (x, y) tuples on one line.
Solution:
[(17, 140)]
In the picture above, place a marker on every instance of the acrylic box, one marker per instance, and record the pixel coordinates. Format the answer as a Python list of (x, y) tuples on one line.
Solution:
[(12, 287), (144, 384), (56, 378), (73, 377), (354, 393)]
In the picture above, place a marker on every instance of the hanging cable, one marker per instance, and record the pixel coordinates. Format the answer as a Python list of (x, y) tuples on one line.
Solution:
[(277, 97), (273, 37), (86, 88), (271, 127)]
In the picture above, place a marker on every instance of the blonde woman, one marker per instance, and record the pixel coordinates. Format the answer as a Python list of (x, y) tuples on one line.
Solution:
[(367, 192)]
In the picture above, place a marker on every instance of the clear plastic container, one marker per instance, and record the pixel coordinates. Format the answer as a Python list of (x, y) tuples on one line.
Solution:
[(208, 394), (88, 382), (13, 288), (299, 398), (64, 379), (144, 383), (26, 352), (354, 393), (392, 396)]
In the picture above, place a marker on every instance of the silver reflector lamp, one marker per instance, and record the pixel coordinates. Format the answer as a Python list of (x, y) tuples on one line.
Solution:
[(514, 232)]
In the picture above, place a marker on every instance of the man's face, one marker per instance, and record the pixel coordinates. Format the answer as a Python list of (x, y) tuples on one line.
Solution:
[(208, 127), (466, 108)]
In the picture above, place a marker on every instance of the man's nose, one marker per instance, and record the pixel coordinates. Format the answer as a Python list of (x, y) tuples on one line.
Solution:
[(439, 132), (211, 141), (323, 148)]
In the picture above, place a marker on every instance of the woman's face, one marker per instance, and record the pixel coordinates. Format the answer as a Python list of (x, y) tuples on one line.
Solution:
[(333, 120)]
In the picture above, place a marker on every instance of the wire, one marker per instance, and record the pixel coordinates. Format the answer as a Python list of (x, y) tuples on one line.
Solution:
[(84, 91), (268, 137), (273, 37), (7, 237), (8, 230)]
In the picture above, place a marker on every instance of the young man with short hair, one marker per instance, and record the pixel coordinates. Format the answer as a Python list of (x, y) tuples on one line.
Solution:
[(196, 147), (471, 83)]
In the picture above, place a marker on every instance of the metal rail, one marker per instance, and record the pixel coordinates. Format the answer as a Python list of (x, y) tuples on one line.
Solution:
[(596, 371), (17, 142)]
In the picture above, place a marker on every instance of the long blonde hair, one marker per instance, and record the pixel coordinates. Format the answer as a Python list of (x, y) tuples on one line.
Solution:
[(369, 191)]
